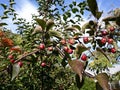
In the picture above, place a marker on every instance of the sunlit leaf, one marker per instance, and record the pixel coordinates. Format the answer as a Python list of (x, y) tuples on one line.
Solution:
[(49, 24), (103, 80), (55, 34), (2, 24), (37, 29), (77, 26), (71, 28), (41, 22), (94, 8), (4, 6), (4, 17), (86, 26), (77, 66), (15, 71), (11, 3), (6, 11)]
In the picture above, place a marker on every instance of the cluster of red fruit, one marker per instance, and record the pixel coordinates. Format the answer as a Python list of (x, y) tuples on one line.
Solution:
[(105, 32), (42, 47), (12, 60), (105, 39), (70, 41)]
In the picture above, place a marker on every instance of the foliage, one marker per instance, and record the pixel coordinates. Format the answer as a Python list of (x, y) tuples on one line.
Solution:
[(43, 52)]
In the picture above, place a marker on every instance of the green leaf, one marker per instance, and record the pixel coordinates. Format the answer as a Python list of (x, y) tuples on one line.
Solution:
[(11, 3), (79, 50), (91, 32), (49, 24), (68, 14), (75, 10), (15, 71), (85, 26), (77, 66), (9, 69), (4, 17), (79, 84), (55, 34), (64, 63), (71, 6), (94, 8), (6, 11), (103, 80), (4, 6), (64, 17), (77, 26), (74, 3), (77, 15), (72, 21), (2, 24), (41, 22), (71, 29)]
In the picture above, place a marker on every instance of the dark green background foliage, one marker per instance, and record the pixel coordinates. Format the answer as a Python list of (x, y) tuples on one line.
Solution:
[(61, 72)]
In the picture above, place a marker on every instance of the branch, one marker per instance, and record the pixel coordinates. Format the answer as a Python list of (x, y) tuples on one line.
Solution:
[(61, 53), (111, 18), (23, 56)]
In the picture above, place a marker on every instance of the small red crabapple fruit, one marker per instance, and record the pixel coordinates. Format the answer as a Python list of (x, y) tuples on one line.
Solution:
[(65, 48), (50, 48), (12, 60), (42, 46), (20, 63), (43, 64), (104, 32), (10, 56), (63, 41), (71, 41), (111, 28), (70, 51), (113, 50), (103, 40), (85, 39), (110, 40), (84, 57)]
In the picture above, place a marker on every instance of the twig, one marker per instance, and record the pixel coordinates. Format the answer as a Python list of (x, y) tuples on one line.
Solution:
[(61, 53), (23, 56)]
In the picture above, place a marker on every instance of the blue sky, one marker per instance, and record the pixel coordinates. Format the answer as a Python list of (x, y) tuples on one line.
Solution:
[(27, 7)]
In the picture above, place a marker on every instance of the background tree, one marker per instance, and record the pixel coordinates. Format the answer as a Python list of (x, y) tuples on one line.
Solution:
[(40, 55)]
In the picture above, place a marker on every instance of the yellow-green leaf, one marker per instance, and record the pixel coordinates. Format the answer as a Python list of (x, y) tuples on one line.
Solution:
[(41, 22)]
